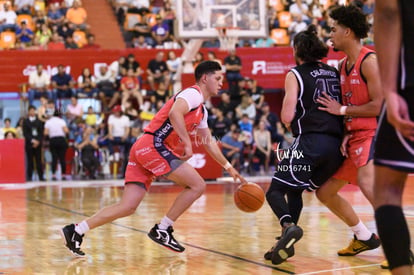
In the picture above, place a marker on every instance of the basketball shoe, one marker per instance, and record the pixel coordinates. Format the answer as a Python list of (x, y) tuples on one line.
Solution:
[(357, 246), (165, 238), (72, 239), (284, 247), (290, 251)]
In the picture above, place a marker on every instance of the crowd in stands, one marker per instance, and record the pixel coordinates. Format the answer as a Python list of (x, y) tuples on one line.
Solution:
[(239, 116), (60, 24), (48, 25)]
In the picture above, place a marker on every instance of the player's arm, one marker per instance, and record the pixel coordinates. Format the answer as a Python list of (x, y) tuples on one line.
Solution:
[(212, 148), (290, 100), (388, 38), (369, 69), (176, 116)]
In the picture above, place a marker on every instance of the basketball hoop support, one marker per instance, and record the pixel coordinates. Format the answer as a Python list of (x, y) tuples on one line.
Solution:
[(228, 38)]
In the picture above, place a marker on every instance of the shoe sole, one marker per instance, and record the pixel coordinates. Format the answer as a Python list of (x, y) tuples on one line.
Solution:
[(163, 245), (290, 252), (281, 251), (62, 234)]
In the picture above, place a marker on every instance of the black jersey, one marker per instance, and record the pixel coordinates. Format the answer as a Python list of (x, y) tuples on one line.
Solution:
[(407, 51), (315, 78)]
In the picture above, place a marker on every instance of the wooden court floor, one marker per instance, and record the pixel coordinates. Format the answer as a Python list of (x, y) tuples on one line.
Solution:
[(219, 238)]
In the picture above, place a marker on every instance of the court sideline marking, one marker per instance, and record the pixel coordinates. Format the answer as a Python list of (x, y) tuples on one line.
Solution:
[(188, 244)]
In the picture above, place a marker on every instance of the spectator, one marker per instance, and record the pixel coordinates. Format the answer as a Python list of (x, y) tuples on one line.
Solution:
[(297, 26), (76, 15), (86, 84), (63, 83), (246, 127), (130, 112), (199, 57), (41, 111), (33, 135), (264, 43), (232, 148), (142, 28), (23, 6), (140, 43), (256, 93), (173, 64), (157, 71), (56, 129), (19, 127), (64, 31), (10, 135), (118, 130), (132, 63), (226, 106), (7, 18), (246, 107), (272, 123), (55, 42), (39, 82), (118, 70), (159, 95), (139, 6), (233, 65), (156, 6), (160, 32), (87, 144), (105, 83), (70, 43), (91, 118), (130, 88), (43, 35), (7, 128), (263, 143), (55, 17), (220, 124), (91, 43), (24, 35), (300, 9), (74, 114), (212, 56)]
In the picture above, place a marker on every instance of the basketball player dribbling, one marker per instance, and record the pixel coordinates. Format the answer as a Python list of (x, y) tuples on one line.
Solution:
[(153, 155)]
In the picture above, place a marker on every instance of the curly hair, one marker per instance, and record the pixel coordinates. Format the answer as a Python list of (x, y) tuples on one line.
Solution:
[(351, 17), (308, 46)]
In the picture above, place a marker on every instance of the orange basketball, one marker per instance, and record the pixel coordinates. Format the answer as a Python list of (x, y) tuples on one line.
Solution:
[(249, 197)]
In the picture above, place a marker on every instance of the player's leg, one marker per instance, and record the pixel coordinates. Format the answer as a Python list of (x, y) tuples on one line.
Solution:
[(365, 180), (194, 185), (391, 223)]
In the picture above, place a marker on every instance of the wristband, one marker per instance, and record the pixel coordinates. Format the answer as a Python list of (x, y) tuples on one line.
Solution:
[(227, 165), (342, 110)]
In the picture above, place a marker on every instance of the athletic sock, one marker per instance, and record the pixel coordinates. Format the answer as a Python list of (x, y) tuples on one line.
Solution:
[(394, 235), (82, 227), (165, 223), (361, 231)]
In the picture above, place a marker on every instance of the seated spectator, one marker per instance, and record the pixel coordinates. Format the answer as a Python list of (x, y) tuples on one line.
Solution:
[(65, 31), (23, 6), (143, 29), (118, 130), (160, 94), (232, 148), (55, 42), (263, 143), (86, 84), (301, 9), (132, 63), (24, 35), (76, 15), (91, 118), (233, 65), (7, 128), (160, 32), (74, 114), (220, 125), (39, 18), (105, 83), (39, 82), (140, 43), (41, 111), (10, 135), (91, 43), (246, 127), (7, 18), (139, 6), (130, 112), (297, 26), (63, 83), (87, 144), (167, 12), (70, 43), (272, 123), (173, 63), (55, 17), (246, 107), (256, 93), (157, 71), (264, 42), (43, 35), (130, 88), (227, 106)]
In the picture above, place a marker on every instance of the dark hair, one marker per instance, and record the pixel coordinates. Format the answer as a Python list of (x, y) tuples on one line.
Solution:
[(353, 18), (206, 67), (7, 119), (31, 107), (308, 46)]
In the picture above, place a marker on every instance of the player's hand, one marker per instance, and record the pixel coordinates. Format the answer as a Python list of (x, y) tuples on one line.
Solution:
[(398, 115), (235, 175), (344, 145), (188, 153), (330, 105)]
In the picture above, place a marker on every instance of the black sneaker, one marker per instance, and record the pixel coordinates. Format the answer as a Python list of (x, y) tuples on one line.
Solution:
[(72, 239), (165, 238), (290, 251), (283, 247)]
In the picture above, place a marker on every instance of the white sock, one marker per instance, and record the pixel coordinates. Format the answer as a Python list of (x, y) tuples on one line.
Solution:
[(165, 223), (361, 231), (82, 227)]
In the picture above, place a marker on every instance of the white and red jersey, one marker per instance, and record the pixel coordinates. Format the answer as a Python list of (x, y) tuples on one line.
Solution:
[(160, 126)]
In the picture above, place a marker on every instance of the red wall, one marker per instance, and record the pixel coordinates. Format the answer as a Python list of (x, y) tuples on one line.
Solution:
[(267, 65)]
